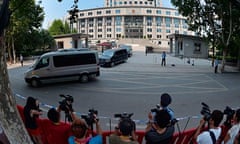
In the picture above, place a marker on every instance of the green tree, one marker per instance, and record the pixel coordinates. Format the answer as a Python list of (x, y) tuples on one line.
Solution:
[(211, 18), (57, 28), (26, 19)]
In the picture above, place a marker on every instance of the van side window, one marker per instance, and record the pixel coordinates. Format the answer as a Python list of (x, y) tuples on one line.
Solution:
[(44, 62), (72, 60)]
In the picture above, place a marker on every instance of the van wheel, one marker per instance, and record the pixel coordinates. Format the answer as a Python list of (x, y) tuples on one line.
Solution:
[(35, 82), (84, 78), (112, 64)]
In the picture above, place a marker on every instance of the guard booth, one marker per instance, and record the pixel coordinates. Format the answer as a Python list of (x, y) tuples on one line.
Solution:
[(77, 40), (188, 46)]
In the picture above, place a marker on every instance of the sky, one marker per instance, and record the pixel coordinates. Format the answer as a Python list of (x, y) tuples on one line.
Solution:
[(58, 10)]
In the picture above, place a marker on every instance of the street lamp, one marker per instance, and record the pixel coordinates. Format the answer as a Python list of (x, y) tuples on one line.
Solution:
[(4, 15)]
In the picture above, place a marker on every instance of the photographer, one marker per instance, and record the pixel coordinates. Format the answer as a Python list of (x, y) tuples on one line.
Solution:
[(56, 132), (79, 130), (211, 135), (165, 100), (233, 131), (31, 112), (159, 128), (124, 133)]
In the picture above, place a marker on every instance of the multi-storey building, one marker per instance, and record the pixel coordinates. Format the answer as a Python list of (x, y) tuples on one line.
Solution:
[(123, 19)]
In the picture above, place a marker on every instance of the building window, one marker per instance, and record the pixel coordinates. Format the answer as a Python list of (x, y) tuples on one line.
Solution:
[(99, 36), (90, 13), (197, 48), (135, 2), (117, 11), (159, 36), (81, 14), (149, 36), (109, 29), (159, 42), (99, 12), (82, 31), (159, 12), (159, 30), (168, 12), (99, 24), (109, 35), (168, 20), (168, 31), (149, 11), (141, 2), (90, 30), (149, 30), (108, 11), (118, 29), (99, 30)]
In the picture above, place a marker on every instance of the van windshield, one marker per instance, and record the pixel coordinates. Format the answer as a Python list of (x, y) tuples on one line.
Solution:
[(108, 53)]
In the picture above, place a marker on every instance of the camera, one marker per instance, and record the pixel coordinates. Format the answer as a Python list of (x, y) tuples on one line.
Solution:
[(206, 112), (230, 113), (154, 110), (90, 117), (66, 106), (126, 117)]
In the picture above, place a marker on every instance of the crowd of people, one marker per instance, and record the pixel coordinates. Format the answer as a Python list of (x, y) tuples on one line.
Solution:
[(159, 129)]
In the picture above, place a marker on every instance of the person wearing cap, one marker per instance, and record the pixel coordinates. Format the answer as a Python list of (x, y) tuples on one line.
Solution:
[(80, 135), (165, 100)]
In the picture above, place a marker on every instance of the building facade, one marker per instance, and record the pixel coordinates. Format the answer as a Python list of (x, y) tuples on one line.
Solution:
[(134, 19)]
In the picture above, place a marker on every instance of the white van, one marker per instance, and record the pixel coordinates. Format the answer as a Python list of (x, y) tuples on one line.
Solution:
[(63, 66)]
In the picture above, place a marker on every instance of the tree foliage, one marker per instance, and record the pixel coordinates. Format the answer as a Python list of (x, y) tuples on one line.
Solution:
[(24, 32), (59, 28), (218, 20)]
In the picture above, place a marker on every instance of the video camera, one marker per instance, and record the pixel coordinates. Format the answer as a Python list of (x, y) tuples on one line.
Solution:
[(230, 113), (154, 110), (126, 117), (206, 112), (90, 117), (66, 106)]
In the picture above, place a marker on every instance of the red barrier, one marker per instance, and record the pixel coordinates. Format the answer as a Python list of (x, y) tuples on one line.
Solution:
[(184, 137)]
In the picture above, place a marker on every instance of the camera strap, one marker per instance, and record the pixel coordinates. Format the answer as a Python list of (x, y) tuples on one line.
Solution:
[(212, 137)]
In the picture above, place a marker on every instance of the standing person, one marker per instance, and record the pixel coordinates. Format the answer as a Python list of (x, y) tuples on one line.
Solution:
[(233, 131), (216, 62), (79, 129), (125, 133), (212, 134), (163, 58), (159, 130), (31, 112), (21, 59)]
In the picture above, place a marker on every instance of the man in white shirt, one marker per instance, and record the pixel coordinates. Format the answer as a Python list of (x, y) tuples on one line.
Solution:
[(233, 131), (212, 134)]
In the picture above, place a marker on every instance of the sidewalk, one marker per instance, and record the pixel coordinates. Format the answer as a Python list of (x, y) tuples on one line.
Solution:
[(152, 63)]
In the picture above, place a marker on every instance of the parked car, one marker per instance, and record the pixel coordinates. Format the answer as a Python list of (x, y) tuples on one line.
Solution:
[(112, 57), (128, 48)]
